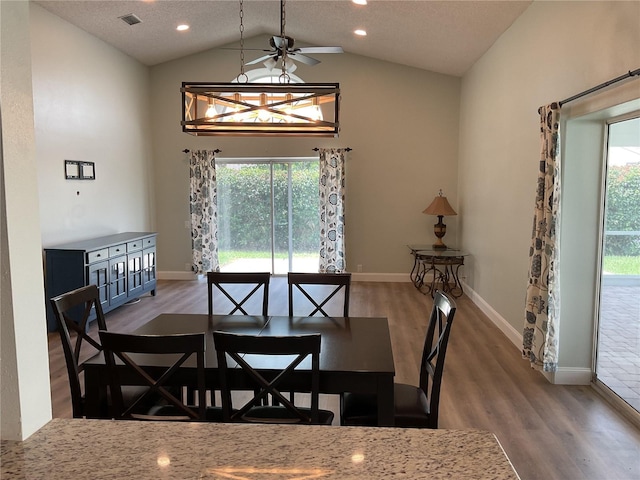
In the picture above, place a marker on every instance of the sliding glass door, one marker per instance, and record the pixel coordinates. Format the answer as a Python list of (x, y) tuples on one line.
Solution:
[(268, 215), (618, 335)]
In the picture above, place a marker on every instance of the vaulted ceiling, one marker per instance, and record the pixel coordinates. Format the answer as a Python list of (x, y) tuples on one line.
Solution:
[(441, 36)]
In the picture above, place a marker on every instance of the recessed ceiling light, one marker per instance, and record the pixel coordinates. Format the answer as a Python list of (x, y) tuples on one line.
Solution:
[(361, 33), (182, 27), (359, 2)]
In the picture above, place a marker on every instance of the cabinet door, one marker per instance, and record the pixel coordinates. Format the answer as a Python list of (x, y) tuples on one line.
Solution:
[(134, 273), (117, 280), (149, 268), (98, 275)]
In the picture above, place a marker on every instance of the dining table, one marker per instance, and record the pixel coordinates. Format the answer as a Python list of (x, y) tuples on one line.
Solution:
[(82, 449), (355, 355)]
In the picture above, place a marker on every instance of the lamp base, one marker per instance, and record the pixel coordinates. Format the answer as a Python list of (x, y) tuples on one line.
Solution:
[(439, 229)]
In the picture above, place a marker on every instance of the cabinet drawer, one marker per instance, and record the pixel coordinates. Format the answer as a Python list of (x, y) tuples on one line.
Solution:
[(117, 250), (149, 242), (135, 245), (97, 255)]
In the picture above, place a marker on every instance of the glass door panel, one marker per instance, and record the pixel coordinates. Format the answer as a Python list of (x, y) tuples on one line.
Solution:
[(268, 216), (244, 217), (618, 343), (305, 209)]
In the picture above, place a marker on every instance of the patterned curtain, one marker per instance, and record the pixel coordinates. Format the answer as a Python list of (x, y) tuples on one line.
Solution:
[(203, 204), (332, 182), (542, 313)]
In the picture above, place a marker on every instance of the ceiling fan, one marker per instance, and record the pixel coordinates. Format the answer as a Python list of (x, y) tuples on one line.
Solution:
[(282, 48)]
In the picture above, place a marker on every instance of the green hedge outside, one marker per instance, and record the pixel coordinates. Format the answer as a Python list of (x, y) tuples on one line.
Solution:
[(244, 207), (623, 210)]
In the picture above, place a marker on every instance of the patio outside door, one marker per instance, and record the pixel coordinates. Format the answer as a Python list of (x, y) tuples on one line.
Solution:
[(618, 336)]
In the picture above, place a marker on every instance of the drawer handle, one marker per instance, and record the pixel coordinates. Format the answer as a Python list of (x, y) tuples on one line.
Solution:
[(98, 255)]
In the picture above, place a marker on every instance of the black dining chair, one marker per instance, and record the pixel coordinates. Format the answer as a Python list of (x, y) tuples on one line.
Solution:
[(240, 289), (72, 311), (246, 352), (316, 289), (414, 406), (239, 298), (159, 382)]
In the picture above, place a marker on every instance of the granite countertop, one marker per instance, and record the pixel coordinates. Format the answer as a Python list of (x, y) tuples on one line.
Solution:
[(106, 449)]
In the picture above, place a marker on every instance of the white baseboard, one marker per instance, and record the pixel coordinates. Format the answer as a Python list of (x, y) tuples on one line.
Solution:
[(570, 376)]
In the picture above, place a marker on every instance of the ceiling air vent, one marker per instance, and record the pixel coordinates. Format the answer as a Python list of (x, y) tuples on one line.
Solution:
[(130, 19)]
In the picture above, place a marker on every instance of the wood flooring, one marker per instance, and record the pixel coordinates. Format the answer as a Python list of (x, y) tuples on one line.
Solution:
[(548, 431)]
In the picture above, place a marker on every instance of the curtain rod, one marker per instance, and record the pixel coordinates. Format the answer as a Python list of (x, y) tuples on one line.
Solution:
[(186, 150), (599, 87), (348, 149)]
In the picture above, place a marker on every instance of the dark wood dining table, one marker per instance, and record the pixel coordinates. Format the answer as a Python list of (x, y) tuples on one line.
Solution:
[(356, 354)]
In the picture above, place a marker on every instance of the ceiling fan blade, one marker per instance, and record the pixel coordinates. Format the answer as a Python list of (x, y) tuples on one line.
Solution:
[(261, 59), (304, 59), (319, 50)]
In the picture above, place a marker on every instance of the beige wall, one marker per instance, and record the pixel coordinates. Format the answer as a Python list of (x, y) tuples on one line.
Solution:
[(401, 122), (554, 50), (91, 103)]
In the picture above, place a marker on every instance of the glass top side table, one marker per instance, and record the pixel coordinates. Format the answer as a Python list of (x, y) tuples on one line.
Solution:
[(433, 269)]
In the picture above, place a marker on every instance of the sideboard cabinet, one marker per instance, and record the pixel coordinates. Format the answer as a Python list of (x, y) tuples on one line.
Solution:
[(122, 266)]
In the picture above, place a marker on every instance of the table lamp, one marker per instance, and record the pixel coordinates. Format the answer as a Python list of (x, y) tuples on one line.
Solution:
[(440, 207)]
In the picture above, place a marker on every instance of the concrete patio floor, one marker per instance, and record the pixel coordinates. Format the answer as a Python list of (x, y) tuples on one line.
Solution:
[(619, 342)]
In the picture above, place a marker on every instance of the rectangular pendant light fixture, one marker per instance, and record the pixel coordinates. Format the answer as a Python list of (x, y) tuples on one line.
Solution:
[(261, 109)]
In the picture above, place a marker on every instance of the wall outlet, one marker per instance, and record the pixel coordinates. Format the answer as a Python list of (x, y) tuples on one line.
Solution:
[(187, 267), (187, 224), (359, 268)]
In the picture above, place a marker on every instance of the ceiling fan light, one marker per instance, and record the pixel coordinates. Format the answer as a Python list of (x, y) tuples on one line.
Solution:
[(270, 63), (290, 66)]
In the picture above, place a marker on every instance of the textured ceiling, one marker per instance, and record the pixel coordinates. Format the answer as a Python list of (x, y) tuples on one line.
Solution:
[(442, 36)]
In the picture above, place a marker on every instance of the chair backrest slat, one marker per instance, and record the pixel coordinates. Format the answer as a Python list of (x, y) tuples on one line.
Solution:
[(222, 280), (434, 351), (238, 347), (300, 282), (160, 381), (72, 311)]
